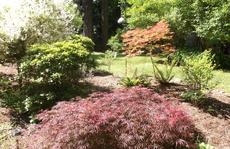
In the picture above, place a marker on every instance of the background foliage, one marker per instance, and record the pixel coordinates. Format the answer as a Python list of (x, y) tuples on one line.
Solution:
[(198, 24), (35, 22)]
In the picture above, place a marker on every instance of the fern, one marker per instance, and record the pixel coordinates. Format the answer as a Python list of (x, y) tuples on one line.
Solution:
[(135, 80)]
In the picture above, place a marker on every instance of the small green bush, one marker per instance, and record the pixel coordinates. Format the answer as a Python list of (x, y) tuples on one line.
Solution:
[(163, 76), (28, 99), (195, 96), (180, 54), (205, 146), (115, 42), (109, 58), (58, 63), (198, 70)]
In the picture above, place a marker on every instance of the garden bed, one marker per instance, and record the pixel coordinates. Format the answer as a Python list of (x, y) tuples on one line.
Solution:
[(213, 119)]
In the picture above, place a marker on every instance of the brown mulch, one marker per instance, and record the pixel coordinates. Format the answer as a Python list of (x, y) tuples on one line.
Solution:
[(4, 115), (8, 69)]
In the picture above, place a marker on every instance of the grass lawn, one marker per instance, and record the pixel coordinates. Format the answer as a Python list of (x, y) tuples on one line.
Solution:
[(144, 66)]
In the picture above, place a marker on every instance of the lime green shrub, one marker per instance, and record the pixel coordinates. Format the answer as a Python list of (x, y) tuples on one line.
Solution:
[(198, 70), (58, 63), (195, 96), (205, 146)]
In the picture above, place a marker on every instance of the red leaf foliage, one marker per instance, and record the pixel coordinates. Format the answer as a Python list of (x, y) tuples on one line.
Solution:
[(140, 41), (133, 118)]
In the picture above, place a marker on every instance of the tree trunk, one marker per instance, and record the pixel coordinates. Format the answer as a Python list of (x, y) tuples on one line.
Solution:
[(88, 18), (104, 22)]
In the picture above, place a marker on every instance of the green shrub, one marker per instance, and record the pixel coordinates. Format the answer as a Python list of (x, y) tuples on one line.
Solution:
[(109, 58), (115, 42), (58, 63), (163, 76), (195, 96), (205, 146), (198, 70), (84, 41), (180, 55), (49, 73), (28, 99)]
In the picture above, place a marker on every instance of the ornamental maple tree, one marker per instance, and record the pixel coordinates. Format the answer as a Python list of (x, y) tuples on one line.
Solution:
[(123, 119), (151, 40)]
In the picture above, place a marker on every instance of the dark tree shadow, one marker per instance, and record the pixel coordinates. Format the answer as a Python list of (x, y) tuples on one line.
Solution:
[(6, 80), (171, 89), (215, 107), (209, 105), (101, 73), (87, 88)]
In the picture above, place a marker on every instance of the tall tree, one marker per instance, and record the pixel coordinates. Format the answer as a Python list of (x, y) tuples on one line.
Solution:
[(104, 22), (87, 6), (100, 16)]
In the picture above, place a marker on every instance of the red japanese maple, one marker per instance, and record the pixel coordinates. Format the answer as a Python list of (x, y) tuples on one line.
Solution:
[(125, 118), (148, 40)]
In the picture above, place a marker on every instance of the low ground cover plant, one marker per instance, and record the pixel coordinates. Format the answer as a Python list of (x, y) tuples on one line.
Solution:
[(205, 146), (115, 42), (122, 119)]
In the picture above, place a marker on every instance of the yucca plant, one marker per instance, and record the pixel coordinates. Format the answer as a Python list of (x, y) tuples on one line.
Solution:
[(163, 76)]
